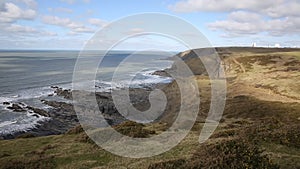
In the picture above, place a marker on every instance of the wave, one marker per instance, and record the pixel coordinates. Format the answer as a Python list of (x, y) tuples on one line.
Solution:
[(21, 123), (27, 94), (18, 122), (139, 80)]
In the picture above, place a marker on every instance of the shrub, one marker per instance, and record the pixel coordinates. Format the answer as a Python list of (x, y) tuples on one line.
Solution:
[(237, 153), (178, 164), (272, 130), (230, 154), (133, 129), (75, 130), (26, 135)]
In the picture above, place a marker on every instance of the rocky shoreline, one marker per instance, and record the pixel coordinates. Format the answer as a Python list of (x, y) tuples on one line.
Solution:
[(62, 116)]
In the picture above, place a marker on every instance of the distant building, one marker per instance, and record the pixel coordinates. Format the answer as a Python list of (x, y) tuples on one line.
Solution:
[(253, 45), (277, 45)]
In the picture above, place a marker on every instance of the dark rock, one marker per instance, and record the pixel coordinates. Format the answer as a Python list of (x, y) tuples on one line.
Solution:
[(17, 108), (100, 96), (6, 103), (54, 87), (161, 73), (258, 85), (60, 105), (35, 115), (38, 111), (67, 94), (63, 116), (22, 104)]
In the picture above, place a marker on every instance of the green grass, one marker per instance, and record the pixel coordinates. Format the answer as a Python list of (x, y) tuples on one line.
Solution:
[(286, 157), (71, 151), (59, 151), (294, 54)]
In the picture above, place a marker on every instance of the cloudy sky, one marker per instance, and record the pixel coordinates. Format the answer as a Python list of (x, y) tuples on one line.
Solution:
[(69, 24)]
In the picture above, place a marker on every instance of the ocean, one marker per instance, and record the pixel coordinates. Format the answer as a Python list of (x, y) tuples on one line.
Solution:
[(27, 76)]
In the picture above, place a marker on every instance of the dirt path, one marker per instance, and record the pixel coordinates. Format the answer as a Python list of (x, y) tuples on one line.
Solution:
[(245, 86), (240, 65), (259, 93)]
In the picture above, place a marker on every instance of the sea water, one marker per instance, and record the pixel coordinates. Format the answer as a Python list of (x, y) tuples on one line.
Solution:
[(27, 77)]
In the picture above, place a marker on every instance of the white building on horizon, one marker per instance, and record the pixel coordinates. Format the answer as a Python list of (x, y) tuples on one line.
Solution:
[(277, 45)]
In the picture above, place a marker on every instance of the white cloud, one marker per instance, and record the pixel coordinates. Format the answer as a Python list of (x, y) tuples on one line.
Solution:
[(242, 16), (134, 31), (250, 23), (247, 17), (271, 8), (74, 1), (235, 27), (49, 33), (287, 8), (29, 3), (11, 13), (67, 23), (97, 22), (20, 29), (220, 5), (60, 10), (68, 1), (54, 20), (83, 29)]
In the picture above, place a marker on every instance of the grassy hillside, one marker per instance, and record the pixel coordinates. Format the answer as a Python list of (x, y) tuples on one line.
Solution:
[(260, 127)]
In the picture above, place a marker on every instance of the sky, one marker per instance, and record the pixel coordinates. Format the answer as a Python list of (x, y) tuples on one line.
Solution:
[(69, 24)]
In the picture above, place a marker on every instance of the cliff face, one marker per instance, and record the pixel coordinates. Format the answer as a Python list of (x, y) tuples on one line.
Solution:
[(192, 60), (191, 57), (266, 74), (196, 58)]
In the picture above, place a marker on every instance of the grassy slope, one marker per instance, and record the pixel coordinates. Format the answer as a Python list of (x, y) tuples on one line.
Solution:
[(74, 151), (249, 115)]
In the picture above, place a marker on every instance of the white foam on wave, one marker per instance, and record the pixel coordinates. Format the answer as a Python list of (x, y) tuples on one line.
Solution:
[(22, 123), (145, 78), (34, 93), (26, 122), (5, 123), (5, 99), (19, 122), (27, 94)]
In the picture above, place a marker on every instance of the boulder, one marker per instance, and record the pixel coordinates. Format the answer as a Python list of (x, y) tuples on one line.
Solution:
[(67, 94), (6, 103), (17, 108), (54, 87), (39, 111)]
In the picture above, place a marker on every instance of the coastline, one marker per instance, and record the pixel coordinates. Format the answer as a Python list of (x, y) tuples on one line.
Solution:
[(61, 116)]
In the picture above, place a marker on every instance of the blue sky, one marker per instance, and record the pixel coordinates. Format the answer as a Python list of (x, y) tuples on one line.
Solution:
[(69, 24)]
